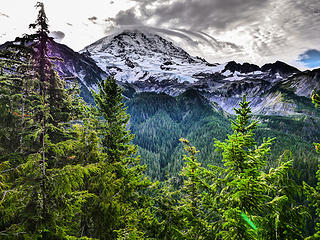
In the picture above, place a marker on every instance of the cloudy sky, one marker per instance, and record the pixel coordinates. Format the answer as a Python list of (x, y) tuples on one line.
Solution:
[(256, 31)]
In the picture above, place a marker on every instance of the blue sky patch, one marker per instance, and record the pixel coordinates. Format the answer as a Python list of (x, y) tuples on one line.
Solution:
[(310, 58)]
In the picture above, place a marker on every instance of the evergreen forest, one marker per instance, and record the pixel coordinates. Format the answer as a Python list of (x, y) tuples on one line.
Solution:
[(73, 170)]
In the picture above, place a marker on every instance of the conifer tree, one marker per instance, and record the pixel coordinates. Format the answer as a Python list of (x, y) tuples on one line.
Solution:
[(16, 94), (118, 209), (178, 202), (195, 215), (239, 201), (243, 192), (115, 138), (284, 217), (42, 191), (249, 198), (313, 193), (168, 223)]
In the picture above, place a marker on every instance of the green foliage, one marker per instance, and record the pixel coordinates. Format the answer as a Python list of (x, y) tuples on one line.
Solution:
[(114, 137), (70, 171), (243, 187), (42, 176), (159, 120), (313, 192), (118, 208), (247, 189), (193, 195), (240, 200)]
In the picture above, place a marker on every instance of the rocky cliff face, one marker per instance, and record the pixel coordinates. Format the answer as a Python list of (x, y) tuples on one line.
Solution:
[(303, 84)]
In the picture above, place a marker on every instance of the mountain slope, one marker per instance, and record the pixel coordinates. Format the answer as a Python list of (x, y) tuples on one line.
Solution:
[(73, 66), (139, 56), (77, 67), (304, 83), (171, 94), (159, 120)]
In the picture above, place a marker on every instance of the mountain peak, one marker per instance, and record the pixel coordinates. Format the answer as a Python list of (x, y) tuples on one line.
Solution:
[(137, 55), (138, 42), (242, 68), (282, 68)]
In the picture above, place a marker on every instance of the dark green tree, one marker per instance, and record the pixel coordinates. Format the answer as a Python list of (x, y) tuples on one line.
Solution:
[(248, 198), (41, 191), (239, 201), (178, 203), (313, 193), (16, 94), (196, 216), (119, 207), (115, 137), (243, 191)]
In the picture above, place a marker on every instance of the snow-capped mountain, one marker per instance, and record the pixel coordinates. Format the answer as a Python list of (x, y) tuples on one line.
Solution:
[(147, 62), (133, 56)]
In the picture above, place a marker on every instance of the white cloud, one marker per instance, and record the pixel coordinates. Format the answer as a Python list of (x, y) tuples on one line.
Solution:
[(220, 30), (68, 16)]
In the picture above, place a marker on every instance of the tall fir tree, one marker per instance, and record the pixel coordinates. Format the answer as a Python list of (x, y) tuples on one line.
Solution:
[(42, 191), (243, 191), (115, 137), (196, 216), (119, 207), (313, 193), (237, 201), (249, 198), (16, 94)]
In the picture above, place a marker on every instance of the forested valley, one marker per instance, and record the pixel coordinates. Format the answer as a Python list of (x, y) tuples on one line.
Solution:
[(73, 170)]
